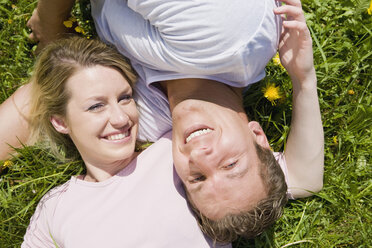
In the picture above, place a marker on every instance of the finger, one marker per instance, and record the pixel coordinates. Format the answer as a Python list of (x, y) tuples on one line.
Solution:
[(296, 3), (300, 27), (292, 13), (293, 24), (29, 22), (284, 37), (33, 37)]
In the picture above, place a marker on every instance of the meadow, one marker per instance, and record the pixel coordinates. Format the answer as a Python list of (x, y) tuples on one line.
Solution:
[(338, 216)]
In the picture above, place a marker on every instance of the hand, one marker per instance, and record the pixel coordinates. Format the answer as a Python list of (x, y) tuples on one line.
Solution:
[(295, 46), (44, 29)]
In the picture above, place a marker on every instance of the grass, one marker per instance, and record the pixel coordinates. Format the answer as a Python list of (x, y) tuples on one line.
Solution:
[(339, 216)]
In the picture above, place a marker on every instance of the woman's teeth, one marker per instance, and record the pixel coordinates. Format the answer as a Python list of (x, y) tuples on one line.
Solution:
[(198, 133), (118, 136)]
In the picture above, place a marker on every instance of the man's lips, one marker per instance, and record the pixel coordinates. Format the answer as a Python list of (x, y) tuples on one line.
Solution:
[(195, 131)]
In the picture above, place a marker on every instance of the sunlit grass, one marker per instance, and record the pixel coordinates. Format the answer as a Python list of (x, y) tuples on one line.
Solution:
[(339, 216)]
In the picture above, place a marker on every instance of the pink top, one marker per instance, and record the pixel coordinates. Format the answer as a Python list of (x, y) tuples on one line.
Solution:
[(142, 206)]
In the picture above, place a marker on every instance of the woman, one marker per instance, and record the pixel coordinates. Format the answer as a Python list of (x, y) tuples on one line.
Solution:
[(82, 100)]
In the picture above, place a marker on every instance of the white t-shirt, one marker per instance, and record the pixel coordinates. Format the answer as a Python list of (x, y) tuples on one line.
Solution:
[(142, 206), (228, 41)]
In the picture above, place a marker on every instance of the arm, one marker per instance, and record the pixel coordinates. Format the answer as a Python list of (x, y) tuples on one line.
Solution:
[(46, 22), (304, 151), (14, 131)]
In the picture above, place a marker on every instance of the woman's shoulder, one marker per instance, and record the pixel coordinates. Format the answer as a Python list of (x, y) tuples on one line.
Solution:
[(53, 196), (38, 233)]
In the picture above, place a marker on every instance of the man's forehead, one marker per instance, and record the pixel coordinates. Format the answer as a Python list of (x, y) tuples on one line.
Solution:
[(217, 206)]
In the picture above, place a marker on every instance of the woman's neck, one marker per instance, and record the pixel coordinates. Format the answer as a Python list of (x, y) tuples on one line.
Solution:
[(103, 171)]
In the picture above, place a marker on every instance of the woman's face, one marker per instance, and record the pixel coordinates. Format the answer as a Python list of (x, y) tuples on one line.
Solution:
[(101, 116)]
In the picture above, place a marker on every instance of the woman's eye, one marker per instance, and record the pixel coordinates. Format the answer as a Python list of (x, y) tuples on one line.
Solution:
[(197, 179), (95, 107), (125, 98)]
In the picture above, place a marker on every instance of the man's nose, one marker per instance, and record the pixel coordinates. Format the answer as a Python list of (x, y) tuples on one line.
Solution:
[(202, 156), (118, 117)]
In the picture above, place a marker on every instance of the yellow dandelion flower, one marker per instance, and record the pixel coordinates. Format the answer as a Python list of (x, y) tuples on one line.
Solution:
[(68, 24), (10, 21), (79, 30), (351, 92), (335, 141), (13, 6), (271, 93), (7, 163), (369, 10), (276, 60)]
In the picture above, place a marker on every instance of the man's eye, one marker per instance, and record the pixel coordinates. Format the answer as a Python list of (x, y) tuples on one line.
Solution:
[(197, 179), (232, 165), (95, 107)]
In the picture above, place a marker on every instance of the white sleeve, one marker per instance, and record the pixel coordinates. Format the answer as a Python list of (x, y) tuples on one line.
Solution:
[(154, 114), (279, 156)]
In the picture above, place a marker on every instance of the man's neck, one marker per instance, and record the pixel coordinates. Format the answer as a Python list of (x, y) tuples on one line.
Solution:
[(203, 89)]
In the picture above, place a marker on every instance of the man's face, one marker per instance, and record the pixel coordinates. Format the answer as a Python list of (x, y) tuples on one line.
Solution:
[(215, 156)]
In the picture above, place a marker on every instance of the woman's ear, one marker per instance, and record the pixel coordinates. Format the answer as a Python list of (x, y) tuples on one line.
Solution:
[(59, 124), (257, 130)]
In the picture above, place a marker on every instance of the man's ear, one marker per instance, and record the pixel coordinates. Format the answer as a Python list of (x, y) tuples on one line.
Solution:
[(257, 130), (59, 124)]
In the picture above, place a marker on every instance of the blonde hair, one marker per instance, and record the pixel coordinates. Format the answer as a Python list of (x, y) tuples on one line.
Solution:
[(55, 65)]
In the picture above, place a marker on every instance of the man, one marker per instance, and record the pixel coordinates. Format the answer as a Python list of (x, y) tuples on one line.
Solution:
[(214, 143)]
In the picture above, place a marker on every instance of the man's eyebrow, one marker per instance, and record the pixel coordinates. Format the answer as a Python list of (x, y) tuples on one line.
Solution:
[(195, 189), (235, 174)]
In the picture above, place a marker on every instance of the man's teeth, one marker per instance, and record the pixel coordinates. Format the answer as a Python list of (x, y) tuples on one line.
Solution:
[(197, 133), (118, 136)]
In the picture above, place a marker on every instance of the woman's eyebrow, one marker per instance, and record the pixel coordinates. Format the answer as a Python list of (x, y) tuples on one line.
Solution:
[(96, 98)]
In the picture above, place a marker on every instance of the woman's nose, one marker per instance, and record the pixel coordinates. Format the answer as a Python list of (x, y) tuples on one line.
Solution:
[(118, 117)]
